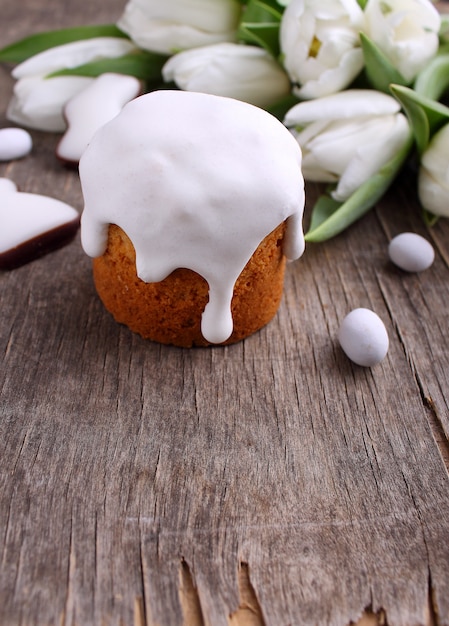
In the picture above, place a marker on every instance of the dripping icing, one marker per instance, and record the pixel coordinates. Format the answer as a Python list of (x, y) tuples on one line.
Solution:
[(195, 181)]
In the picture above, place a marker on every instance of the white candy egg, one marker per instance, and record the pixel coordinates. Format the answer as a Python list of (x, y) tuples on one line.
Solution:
[(15, 143), (7, 186), (363, 337), (411, 252)]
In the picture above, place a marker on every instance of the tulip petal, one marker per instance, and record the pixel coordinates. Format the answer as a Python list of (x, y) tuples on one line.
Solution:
[(332, 80), (171, 26), (246, 73), (370, 157), (406, 31), (343, 105), (431, 195), (340, 143), (435, 159), (362, 200), (72, 55)]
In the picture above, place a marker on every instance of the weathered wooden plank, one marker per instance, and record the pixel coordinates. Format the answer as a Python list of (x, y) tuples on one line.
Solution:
[(271, 482)]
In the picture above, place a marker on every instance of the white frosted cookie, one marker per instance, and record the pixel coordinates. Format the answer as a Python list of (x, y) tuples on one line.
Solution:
[(32, 225), (90, 109)]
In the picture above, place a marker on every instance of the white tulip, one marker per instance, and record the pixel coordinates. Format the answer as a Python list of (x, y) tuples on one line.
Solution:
[(242, 72), (347, 137), (406, 31), (173, 25), (433, 179), (38, 102), (321, 45), (72, 54)]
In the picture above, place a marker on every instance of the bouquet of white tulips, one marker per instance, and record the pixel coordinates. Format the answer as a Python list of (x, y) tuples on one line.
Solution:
[(360, 83)]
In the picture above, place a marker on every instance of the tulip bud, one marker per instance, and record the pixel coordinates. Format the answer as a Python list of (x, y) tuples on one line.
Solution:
[(347, 137), (38, 99), (242, 72), (321, 46), (172, 25), (406, 31), (433, 179)]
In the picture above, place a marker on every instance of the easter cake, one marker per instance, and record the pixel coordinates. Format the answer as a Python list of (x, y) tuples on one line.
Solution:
[(192, 203)]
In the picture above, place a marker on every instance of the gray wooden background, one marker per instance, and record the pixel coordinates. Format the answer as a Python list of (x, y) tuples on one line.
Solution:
[(267, 483)]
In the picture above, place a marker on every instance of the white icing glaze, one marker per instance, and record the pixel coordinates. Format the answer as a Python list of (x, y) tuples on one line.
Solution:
[(24, 216), (196, 181), (97, 104)]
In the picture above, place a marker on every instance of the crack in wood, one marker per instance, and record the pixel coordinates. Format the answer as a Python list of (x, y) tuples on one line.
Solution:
[(67, 610), (437, 429), (189, 597), (440, 436), (249, 612), (139, 612), (369, 618), (431, 610), (140, 602)]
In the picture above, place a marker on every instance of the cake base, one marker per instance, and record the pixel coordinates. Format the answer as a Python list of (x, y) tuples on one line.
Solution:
[(169, 311)]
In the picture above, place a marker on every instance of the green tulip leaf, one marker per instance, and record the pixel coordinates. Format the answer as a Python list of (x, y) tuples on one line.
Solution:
[(426, 116), (260, 25), (143, 65), (378, 68), (433, 80), (359, 203), (416, 116), (324, 207), (262, 11), (28, 47), (429, 218), (280, 108), (444, 29), (262, 35)]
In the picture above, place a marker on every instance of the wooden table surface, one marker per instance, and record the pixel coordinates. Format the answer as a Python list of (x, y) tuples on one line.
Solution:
[(268, 483)]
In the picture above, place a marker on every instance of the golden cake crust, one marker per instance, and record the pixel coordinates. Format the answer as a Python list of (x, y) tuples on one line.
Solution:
[(169, 311)]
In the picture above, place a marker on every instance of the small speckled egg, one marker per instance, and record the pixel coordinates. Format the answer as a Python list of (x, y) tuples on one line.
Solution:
[(363, 337), (15, 143), (411, 252)]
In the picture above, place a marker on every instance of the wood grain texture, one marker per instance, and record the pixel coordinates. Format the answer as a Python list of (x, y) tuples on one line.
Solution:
[(268, 483)]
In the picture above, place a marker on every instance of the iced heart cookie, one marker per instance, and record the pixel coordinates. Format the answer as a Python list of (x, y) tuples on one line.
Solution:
[(32, 225)]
